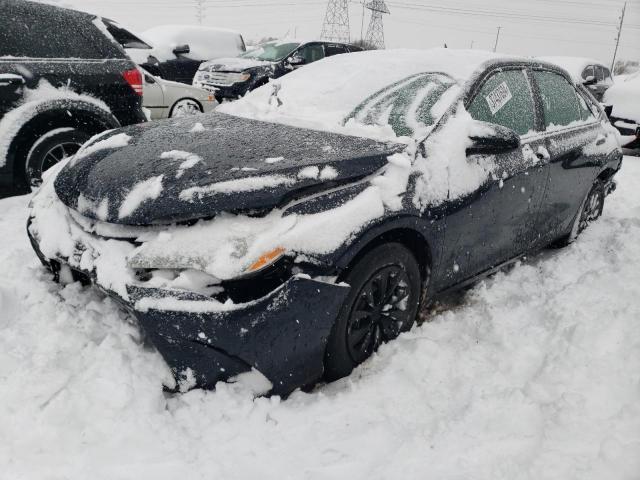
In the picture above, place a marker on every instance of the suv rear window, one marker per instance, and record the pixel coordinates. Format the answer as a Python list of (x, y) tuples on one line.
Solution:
[(505, 99), (55, 35), (559, 99), (123, 36)]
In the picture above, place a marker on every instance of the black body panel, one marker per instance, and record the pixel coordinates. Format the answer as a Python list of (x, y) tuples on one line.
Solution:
[(225, 150)]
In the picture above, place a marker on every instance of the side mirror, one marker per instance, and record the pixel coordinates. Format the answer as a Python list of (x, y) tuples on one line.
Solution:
[(488, 138), (182, 49), (296, 60), (608, 110), (149, 79), (590, 80)]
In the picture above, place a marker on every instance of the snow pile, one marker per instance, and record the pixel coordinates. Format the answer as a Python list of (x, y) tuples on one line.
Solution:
[(205, 43), (34, 101), (625, 98), (531, 375)]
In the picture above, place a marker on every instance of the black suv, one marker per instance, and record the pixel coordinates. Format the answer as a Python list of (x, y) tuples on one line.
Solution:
[(62, 80), (234, 77)]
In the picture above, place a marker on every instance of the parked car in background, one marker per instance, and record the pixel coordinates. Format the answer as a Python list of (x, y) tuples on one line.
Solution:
[(166, 99), (592, 74), (62, 80), (234, 77), (624, 98), (175, 52), (250, 243)]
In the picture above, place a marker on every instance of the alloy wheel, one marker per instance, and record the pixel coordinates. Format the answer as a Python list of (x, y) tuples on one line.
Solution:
[(380, 312), (185, 108)]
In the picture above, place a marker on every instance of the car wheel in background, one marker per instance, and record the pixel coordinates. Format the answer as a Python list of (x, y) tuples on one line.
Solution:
[(185, 108), (383, 302), (51, 148)]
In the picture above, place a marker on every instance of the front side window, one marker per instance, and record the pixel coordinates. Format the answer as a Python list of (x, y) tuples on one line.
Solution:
[(600, 74), (588, 72), (559, 100), (505, 99), (312, 52), (406, 106)]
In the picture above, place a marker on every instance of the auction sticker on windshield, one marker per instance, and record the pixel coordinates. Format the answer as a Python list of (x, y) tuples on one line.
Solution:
[(499, 97)]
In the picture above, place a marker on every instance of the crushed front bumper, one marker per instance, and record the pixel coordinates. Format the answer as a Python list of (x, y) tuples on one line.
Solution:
[(283, 335)]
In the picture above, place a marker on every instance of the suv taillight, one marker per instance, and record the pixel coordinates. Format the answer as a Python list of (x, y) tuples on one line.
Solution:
[(134, 78)]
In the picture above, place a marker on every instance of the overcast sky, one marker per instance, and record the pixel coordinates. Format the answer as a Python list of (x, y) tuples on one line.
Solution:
[(529, 27)]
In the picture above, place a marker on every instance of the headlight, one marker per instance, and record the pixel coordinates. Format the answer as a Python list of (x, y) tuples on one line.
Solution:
[(243, 77)]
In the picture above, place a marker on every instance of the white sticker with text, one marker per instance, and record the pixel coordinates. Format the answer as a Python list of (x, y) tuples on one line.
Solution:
[(499, 97)]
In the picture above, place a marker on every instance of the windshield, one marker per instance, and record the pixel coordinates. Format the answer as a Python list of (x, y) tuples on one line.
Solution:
[(271, 51), (406, 106)]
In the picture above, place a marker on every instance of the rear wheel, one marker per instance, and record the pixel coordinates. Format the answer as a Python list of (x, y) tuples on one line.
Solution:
[(185, 108), (382, 303), (51, 148), (590, 211)]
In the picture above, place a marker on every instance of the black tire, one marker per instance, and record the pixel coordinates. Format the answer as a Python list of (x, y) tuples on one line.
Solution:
[(590, 211), (387, 276), (51, 148)]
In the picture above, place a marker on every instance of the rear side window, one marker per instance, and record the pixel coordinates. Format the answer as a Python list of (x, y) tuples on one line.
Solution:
[(54, 36), (505, 99), (333, 49), (559, 99), (123, 36)]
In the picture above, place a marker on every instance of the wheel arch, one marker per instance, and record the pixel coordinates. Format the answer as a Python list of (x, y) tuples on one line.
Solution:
[(52, 115), (405, 232)]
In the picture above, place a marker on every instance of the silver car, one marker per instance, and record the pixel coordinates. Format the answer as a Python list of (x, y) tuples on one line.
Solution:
[(167, 99)]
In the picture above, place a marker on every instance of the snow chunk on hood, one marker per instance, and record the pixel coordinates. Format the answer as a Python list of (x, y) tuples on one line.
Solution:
[(146, 190)]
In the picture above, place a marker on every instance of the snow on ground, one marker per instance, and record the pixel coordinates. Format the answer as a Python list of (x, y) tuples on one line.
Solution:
[(533, 374)]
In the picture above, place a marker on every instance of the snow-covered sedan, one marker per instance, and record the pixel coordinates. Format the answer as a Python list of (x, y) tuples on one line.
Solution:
[(294, 231), (167, 99)]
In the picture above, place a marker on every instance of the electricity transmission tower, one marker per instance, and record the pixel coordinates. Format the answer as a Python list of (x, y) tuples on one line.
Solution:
[(336, 22), (200, 11), (375, 32)]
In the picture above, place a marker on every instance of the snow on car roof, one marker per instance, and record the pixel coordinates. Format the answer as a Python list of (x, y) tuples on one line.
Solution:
[(574, 65), (321, 95), (204, 42)]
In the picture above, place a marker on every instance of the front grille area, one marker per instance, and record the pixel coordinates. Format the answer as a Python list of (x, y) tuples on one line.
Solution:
[(219, 79)]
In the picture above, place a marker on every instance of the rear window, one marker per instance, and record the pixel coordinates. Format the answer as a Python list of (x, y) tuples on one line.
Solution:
[(559, 99), (57, 34), (123, 36), (334, 49)]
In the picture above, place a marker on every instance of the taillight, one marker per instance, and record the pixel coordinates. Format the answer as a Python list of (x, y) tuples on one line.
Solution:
[(134, 78)]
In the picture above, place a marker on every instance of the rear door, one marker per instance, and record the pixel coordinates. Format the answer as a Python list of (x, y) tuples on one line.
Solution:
[(497, 222), (574, 139)]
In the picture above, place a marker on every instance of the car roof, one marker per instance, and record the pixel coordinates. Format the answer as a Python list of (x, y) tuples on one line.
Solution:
[(37, 8)]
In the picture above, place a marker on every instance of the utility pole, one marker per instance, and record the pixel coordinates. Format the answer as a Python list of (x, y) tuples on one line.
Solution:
[(336, 22), (615, 52), (495, 47), (200, 11), (362, 24)]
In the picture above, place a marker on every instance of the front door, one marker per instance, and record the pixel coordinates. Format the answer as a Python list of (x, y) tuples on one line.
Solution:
[(497, 222)]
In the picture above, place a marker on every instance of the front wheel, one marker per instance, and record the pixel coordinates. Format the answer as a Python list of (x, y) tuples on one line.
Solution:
[(383, 301), (51, 148), (185, 108)]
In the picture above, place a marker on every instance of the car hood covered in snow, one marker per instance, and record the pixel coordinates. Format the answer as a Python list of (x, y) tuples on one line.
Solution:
[(195, 168)]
